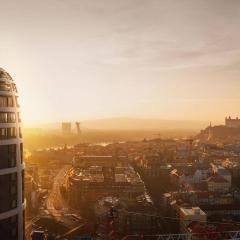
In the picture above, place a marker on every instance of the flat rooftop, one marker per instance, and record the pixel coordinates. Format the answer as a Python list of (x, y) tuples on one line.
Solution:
[(192, 211), (99, 174)]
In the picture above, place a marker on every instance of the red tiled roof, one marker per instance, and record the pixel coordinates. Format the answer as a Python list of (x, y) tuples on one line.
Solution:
[(207, 194), (217, 179), (220, 207), (143, 237), (199, 228)]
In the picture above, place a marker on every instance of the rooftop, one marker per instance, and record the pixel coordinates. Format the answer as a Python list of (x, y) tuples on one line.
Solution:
[(192, 211), (217, 179), (99, 174), (4, 75), (198, 228)]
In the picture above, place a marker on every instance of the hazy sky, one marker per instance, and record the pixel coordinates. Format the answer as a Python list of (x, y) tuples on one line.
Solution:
[(84, 59)]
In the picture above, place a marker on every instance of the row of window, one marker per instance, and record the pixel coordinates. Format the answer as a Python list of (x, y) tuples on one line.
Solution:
[(9, 117), (8, 193), (23, 186), (9, 228), (7, 101), (9, 133), (8, 156), (7, 86)]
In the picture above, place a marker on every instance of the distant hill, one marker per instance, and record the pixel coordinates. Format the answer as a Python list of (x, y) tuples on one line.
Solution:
[(135, 124), (219, 134), (141, 123)]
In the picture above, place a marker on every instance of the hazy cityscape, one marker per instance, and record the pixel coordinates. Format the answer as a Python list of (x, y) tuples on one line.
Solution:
[(154, 187), (119, 120)]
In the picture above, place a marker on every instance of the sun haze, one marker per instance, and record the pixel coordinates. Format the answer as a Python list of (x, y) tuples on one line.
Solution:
[(140, 58)]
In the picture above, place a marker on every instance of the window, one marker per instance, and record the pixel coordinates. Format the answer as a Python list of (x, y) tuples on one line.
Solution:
[(14, 219), (7, 133), (9, 228), (11, 132), (23, 189), (7, 156), (23, 221), (21, 152), (13, 177), (3, 101), (17, 104), (6, 101), (20, 132), (7, 117), (5, 86), (14, 88), (10, 102), (11, 117), (19, 118), (13, 189), (3, 117), (8, 193)]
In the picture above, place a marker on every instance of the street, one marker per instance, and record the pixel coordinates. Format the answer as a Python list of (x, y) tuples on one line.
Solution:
[(55, 203)]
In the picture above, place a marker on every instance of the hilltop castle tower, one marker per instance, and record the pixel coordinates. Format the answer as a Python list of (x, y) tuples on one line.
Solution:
[(232, 122), (11, 162)]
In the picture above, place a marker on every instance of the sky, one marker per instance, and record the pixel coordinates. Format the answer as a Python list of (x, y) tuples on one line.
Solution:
[(88, 59)]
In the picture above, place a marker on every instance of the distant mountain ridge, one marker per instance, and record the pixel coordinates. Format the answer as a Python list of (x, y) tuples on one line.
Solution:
[(142, 123), (135, 124)]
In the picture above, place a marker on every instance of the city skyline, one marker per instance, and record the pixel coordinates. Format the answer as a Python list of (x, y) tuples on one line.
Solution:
[(119, 120), (140, 59)]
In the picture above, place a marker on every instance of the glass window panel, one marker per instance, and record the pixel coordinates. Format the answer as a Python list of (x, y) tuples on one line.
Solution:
[(3, 101)]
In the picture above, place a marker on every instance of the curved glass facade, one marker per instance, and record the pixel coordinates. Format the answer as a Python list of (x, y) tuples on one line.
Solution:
[(11, 162)]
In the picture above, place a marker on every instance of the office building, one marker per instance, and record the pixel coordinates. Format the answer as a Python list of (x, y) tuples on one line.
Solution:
[(66, 128), (94, 177), (189, 215), (11, 162)]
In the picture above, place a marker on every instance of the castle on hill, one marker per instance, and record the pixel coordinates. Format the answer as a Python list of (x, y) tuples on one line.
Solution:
[(232, 122)]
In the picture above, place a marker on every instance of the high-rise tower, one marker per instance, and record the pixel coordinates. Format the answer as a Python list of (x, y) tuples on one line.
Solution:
[(11, 162)]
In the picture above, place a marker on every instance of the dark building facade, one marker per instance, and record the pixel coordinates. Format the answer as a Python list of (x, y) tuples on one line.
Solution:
[(11, 162)]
